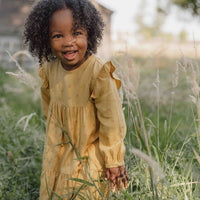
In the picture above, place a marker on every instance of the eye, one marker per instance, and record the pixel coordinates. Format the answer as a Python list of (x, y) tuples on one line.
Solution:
[(77, 33), (57, 36)]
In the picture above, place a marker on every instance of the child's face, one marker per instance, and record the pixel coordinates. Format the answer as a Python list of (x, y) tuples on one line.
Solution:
[(68, 45)]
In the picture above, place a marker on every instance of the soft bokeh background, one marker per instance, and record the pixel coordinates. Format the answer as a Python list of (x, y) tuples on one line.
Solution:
[(149, 25)]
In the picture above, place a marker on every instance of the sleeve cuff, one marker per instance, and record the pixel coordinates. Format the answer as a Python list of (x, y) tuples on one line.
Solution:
[(111, 165)]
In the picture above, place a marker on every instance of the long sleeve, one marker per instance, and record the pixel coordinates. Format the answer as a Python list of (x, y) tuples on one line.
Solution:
[(110, 115), (45, 96)]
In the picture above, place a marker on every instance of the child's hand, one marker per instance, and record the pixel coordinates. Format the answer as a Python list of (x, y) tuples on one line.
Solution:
[(116, 175)]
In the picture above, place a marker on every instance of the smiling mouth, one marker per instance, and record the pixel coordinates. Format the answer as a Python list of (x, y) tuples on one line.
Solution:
[(70, 55)]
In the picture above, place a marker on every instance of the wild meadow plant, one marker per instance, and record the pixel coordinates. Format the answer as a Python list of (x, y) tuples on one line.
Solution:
[(192, 71), (21, 138), (156, 138), (162, 142)]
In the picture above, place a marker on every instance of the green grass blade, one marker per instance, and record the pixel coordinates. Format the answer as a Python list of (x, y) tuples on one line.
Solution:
[(128, 196), (56, 195), (81, 181), (196, 155), (47, 187), (77, 192), (81, 197), (84, 166)]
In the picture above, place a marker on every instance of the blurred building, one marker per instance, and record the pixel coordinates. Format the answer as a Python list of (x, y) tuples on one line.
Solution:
[(105, 49), (12, 17)]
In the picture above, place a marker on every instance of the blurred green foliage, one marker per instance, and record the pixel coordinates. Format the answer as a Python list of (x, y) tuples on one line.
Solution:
[(193, 5)]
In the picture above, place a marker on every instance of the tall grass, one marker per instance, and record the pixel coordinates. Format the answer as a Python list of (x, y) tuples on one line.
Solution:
[(162, 109), (158, 132)]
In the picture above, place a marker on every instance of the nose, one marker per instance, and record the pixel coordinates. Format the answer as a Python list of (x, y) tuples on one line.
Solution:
[(69, 40)]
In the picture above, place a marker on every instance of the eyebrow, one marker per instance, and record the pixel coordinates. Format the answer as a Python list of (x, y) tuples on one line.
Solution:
[(55, 32)]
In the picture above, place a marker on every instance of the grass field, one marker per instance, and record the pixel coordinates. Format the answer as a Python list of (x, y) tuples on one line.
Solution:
[(162, 109)]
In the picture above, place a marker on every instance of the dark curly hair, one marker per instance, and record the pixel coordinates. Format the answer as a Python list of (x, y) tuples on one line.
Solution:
[(36, 32)]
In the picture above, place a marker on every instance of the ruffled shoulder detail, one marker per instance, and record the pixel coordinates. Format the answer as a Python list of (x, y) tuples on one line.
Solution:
[(109, 68), (105, 81), (43, 75), (114, 76)]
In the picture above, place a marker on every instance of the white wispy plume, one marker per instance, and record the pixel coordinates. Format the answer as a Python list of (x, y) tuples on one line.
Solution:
[(21, 74), (156, 169), (25, 118)]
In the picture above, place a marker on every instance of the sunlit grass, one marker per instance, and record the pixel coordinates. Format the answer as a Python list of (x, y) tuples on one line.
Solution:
[(161, 106)]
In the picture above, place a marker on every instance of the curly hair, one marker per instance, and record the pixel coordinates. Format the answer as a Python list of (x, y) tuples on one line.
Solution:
[(36, 32)]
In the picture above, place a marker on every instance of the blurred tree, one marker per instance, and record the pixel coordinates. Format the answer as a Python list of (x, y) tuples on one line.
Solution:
[(160, 17), (144, 30), (192, 5), (183, 36), (154, 29)]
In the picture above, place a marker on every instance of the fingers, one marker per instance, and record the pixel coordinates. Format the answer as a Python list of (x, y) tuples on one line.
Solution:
[(112, 181), (122, 170), (125, 180), (111, 174), (116, 176), (124, 176), (118, 182)]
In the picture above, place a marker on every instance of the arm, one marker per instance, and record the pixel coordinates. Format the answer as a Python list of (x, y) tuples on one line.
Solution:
[(45, 96), (45, 99), (112, 125)]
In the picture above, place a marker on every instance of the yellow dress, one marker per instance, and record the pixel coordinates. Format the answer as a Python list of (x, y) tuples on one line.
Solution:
[(84, 105)]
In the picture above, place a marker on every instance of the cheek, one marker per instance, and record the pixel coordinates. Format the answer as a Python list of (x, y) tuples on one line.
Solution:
[(54, 46), (85, 44)]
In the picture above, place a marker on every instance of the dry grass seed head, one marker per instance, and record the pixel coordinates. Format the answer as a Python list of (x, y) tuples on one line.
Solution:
[(22, 75)]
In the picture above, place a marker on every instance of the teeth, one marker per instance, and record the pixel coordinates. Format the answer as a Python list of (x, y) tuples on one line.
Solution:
[(69, 52)]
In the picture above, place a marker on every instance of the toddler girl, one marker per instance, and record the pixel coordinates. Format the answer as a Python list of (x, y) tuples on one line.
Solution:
[(85, 123)]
